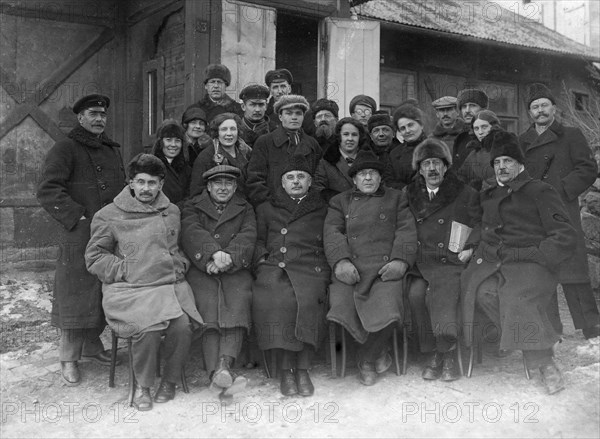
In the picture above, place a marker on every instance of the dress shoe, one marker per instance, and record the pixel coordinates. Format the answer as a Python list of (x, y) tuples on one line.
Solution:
[(449, 372), (70, 373), (288, 385), (552, 378), (305, 385), (367, 375), (433, 369), (142, 400), (165, 392), (102, 358), (239, 385), (383, 363), (222, 376), (591, 332)]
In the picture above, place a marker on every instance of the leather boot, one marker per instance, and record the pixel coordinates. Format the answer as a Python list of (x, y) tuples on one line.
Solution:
[(303, 382), (222, 376), (165, 392), (552, 378), (288, 385), (70, 373), (142, 400), (449, 371), (383, 363), (367, 375), (433, 369)]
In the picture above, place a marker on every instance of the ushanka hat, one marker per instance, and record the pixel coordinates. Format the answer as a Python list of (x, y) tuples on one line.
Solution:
[(296, 162), (365, 159), (325, 104), (146, 164), (291, 101), (505, 144), (538, 91), (218, 71), (473, 95), (430, 149)]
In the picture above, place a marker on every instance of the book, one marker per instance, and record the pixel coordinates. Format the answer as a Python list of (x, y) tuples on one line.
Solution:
[(459, 233)]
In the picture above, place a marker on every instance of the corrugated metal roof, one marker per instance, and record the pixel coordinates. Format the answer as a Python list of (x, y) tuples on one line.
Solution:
[(477, 19)]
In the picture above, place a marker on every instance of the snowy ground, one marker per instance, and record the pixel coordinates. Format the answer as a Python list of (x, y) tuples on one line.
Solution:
[(496, 402)]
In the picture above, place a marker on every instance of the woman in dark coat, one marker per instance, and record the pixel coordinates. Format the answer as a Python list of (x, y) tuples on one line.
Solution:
[(408, 119), (227, 149), (289, 294), (168, 147), (331, 176)]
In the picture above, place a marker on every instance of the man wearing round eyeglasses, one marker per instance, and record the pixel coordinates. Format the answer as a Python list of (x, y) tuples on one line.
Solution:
[(370, 241), (217, 78), (362, 107)]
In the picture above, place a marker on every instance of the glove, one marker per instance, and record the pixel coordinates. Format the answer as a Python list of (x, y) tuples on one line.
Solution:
[(222, 260), (465, 255), (393, 270), (346, 272)]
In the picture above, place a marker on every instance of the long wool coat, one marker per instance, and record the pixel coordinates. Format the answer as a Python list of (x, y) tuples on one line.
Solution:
[(370, 231), (213, 109), (289, 296), (561, 157), (81, 174), (222, 299), (133, 250), (525, 236), (441, 268)]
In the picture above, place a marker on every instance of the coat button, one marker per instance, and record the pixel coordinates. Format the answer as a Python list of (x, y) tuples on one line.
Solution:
[(284, 231), (479, 261), (198, 256), (99, 168), (440, 245), (283, 250), (318, 269), (281, 265), (443, 260), (173, 232), (420, 220), (356, 198), (217, 236), (382, 216), (441, 221), (386, 258), (103, 187)]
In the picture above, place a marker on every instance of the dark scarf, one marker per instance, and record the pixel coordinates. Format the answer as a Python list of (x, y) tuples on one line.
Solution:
[(414, 143), (83, 136), (178, 162), (418, 196), (310, 203), (459, 127)]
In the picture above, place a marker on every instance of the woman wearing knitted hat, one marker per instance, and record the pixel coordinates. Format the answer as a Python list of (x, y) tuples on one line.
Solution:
[(168, 147)]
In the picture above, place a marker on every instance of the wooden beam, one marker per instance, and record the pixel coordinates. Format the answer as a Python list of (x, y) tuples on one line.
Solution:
[(47, 124), (14, 118), (161, 6), (10, 78), (53, 13)]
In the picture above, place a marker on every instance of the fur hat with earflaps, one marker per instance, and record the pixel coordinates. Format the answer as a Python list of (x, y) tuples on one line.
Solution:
[(291, 101), (431, 149), (538, 91), (365, 159), (505, 144), (218, 71), (146, 164)]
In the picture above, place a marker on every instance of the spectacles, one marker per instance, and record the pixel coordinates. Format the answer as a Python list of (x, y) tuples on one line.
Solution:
[(362, 112)]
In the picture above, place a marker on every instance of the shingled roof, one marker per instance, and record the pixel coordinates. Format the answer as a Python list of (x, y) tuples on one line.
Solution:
[(478, 19)]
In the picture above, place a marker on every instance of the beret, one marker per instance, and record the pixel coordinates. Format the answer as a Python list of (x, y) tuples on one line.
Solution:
[(278, 75), (222, 171), (444, 102), (94, 100), (254, 91)]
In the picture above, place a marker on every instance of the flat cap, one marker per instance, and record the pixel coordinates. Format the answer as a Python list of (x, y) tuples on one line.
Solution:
[(444, 102), (254, 91), (222, 171), (278, 75), (362, 100), (94, 100)]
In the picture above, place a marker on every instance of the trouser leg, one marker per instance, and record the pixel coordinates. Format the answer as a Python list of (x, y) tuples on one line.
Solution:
[(582, 305), (305, 356), (488, 301), (375, 344), (178, 340), (210, 349), (554, 314), (145, 347), (92, 345), (230, 342), (74, 342), (287, 359), (420, 314)]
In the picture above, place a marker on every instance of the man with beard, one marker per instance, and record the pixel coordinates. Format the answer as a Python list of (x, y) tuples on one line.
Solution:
[(470, 101), (325, 113), (449, 124), (255, 122), (217, 78), (560, 156), (81, 174)]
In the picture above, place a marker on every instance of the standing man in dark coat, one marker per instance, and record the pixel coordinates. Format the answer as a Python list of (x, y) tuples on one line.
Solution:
[(370, 241), (272, 151), (217, 78), (525, 236), (561, 157), (255, 122), (82, 174), (449, 125), (439, 200), (325, 114), (289, 294), (279, 82), (470, 101)]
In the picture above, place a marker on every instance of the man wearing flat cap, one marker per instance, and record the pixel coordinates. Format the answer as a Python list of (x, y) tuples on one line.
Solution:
[(470, 102), (255, 122), (134, 251), (561, 157), (81, 174), (525, 236), (194, 123), (217, 78), (272, 151), (325, 114), (279, 82), (449, 125), (218, 235), (370, 242), (289, 294), (362, 107)]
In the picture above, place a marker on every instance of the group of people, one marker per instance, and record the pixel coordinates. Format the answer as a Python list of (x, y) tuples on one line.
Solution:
[(273, 216)]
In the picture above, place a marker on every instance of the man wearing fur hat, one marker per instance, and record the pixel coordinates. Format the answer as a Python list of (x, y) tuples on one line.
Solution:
[(290, 291), (325, 113), (438, 200), (370, 241), (81, 174), (134, 251), (217, 78), (272, 151), (362, 107), (449, 125), (194, 123), (470, 102), (560, 156), (255, 122), (525, 236)]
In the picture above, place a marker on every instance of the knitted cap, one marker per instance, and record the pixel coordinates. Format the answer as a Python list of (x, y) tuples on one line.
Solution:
[(430, 149)]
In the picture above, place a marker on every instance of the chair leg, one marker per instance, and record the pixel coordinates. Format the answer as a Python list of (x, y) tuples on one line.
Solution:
[(274, 363), (343, 352), (332, 352), (131, 373), (404, 351), (266, 364), (113, 359), (396, 356), (184, 384), (158, 360), (471, 360), (459, 358), (526, 368)]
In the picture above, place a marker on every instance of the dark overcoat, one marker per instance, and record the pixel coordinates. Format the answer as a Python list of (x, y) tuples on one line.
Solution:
[(440, 267), (448, 135), (525, 236), (213, 109), (177, 182), (402, 171), (370, 231), (270, 155), (290, 292), (332, 176), (561, 157), (222, 299), (81, 174)]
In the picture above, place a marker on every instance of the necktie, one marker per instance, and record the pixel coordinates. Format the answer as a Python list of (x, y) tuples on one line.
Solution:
[(431, 195), (349, 160)]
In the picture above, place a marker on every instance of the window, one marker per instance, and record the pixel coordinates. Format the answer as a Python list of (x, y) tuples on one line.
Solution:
[(154, 90), (581, 101), (396, 87)]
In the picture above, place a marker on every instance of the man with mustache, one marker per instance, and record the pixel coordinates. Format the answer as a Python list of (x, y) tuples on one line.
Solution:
[(81, 174), (279, 82), (525, 236), (470, 102), (217, 78), (255, 122), (438, 200), (560, 156), (449, 125), (325, 114)]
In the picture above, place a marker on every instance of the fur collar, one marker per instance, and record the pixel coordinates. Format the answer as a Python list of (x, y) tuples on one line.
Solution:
[(83, 136), (418, 197), (128, 203), (459, 127), (310, 203), (207, 103)]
